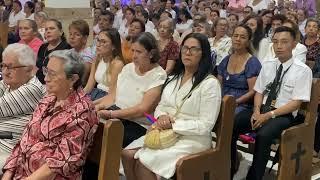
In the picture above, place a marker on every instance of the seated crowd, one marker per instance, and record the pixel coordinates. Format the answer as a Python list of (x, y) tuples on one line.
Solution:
[(171, 61)]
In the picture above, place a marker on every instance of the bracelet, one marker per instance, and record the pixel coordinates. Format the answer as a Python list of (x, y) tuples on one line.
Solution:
[(273, 115), (110, 114)]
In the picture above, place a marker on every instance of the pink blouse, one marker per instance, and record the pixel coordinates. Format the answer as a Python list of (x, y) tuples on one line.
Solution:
[(237, 3), (58, 137), (34, 45)]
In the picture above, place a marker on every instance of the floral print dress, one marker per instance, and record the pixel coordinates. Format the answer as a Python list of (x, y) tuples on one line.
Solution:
[(58, 137)]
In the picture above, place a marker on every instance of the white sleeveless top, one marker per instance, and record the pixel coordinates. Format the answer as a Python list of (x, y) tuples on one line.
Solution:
[(100, 75)]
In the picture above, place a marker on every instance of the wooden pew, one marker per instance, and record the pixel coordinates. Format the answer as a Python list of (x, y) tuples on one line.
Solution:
[(296, 142), (106, 149), (213, 164), (4, 28)]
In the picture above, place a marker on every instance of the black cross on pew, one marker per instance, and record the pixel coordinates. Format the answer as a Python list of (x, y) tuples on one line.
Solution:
[(297, 155)]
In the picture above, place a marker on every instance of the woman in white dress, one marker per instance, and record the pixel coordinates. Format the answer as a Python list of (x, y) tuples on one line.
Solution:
[(109, 63), (137, 90), (196, 95)]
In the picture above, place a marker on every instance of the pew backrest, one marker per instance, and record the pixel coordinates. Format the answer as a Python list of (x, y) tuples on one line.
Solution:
[(213, 163), (4, 28), (106, 149)]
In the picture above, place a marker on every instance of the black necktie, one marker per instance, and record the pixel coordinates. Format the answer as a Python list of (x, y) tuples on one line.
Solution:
[(273, 91)]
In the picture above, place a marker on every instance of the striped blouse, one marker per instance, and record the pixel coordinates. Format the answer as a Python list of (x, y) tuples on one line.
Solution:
[(16, 108)]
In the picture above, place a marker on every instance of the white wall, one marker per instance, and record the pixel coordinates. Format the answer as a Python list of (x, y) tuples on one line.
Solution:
[(68, 3)]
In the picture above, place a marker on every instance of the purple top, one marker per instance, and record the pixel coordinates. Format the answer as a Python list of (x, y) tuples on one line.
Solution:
[(308, 5)]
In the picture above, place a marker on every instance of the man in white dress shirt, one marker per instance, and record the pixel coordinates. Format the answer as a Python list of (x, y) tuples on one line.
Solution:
[(282, 85), (299, 52)]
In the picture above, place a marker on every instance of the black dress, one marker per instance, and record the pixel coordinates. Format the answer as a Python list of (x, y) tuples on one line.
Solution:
[(43, 57)]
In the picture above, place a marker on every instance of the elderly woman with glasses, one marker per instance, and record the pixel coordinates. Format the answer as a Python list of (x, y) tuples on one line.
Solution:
[(56, 140), (20, 92)]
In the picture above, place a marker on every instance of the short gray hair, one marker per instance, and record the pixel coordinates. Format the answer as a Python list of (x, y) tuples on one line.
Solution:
[(42, 14), (73, 64), (170, 23), (23, 52)]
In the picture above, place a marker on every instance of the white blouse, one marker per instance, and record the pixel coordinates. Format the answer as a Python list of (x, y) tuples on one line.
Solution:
[(131, 87), (222, 47), (182, 27), (30, 17), (13, 19), (261, 5)]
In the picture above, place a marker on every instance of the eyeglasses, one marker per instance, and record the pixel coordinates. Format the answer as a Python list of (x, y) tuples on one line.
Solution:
[(193, 50), (9, 67), (246, 12), (48, 73)]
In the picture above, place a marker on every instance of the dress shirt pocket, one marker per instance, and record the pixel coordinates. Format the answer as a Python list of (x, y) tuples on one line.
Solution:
[(288, 87)]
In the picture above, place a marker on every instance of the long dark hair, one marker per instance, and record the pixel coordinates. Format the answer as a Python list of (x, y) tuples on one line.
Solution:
[(268, 26), (259, 33), (114, 36), (204, 68), (30, 5)]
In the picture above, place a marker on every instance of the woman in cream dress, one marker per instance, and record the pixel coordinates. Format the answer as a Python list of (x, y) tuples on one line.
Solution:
[(193, 92)]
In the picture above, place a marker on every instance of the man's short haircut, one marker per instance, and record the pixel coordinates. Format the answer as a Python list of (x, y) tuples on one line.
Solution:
[(285, 29)]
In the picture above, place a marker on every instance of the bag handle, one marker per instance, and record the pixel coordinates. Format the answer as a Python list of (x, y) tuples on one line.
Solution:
[(189, 94)]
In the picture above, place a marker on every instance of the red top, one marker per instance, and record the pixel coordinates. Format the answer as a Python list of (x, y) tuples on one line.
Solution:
[(58, 137), (170, 52)]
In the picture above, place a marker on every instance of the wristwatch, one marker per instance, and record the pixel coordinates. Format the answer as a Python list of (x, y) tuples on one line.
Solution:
[(273, 115)]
